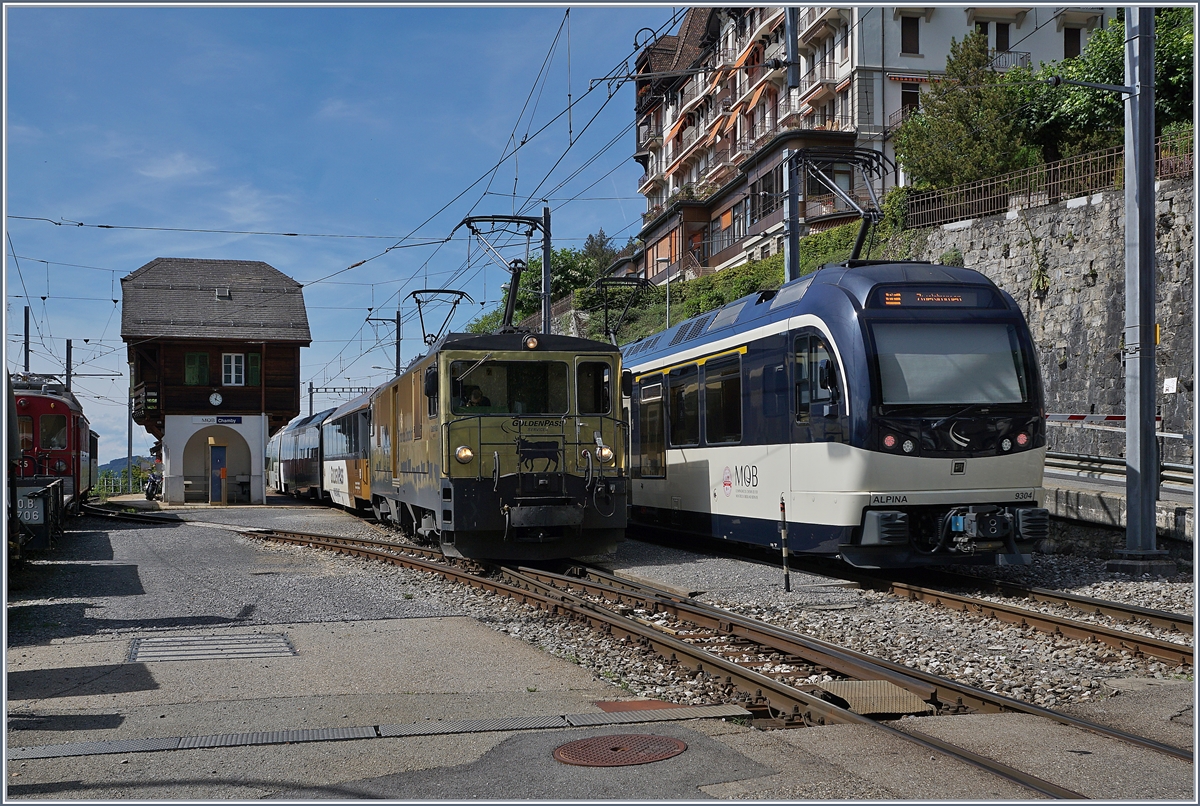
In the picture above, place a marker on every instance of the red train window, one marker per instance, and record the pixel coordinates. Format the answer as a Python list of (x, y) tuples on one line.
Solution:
[(53, 431)]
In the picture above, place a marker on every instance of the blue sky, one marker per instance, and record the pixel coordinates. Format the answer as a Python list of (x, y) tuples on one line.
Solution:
[(329, 121)]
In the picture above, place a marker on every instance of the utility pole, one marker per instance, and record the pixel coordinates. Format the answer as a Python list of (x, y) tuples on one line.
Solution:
[(129, 449), (546, 250), (1141, 450), (27, 339), (68, 365), (398, 338)]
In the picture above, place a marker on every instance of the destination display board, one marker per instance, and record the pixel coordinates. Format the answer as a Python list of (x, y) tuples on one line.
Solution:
[(933, 297)]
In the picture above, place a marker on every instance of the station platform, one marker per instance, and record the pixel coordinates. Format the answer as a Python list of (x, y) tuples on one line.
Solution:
[(169, 663)]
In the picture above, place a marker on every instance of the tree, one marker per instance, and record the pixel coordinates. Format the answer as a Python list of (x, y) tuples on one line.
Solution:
[(570, 269), (1067, 120), (967, 127)]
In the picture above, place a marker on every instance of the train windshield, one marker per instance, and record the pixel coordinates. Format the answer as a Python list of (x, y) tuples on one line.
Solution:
[(509, 387), (950, 363)]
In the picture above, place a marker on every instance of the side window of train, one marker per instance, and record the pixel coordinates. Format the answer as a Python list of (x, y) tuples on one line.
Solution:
[(817, 380), (723, 400), (683, 406), (652, 448), (25, 427), (593, 387)]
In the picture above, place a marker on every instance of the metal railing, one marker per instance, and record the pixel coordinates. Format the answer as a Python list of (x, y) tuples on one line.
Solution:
[(108, 486), (1008, 59), (1103, 467), (1043, 184)]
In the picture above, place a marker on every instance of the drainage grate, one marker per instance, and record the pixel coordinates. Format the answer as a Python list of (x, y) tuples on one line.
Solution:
[(619, 751), (211, 647)]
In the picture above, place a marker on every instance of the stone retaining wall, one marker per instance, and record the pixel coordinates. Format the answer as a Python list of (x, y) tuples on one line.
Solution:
[(1076, 249)]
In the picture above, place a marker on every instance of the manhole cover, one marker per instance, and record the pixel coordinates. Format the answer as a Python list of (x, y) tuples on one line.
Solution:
[(619, 751)]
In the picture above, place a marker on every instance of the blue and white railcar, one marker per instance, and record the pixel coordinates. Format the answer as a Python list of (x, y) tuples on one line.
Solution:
[(894, 409)]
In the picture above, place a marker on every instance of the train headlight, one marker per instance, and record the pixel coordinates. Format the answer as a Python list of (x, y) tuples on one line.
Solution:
[(60, 466), (464, 454), (1006, 444), (1022, 439), (605, 454), (909, 446), (889, 441), (531, 342)]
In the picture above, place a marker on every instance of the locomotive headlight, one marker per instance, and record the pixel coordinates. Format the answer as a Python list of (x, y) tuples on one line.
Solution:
[(464, 454), (531, 342), (1006, 444), (909, 446), (1022, 439), (605, 454), (60, 466)]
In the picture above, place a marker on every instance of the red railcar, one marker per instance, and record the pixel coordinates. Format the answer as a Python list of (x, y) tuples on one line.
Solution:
[(56, 441)]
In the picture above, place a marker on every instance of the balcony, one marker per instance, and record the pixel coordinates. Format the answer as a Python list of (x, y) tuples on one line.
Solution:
[(1008, 59), (900, 115), (649, 135), (818, 83), (145, 402), (813, 19)]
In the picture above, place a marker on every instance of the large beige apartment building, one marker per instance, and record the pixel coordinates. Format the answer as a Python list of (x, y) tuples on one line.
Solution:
[(716, 117)]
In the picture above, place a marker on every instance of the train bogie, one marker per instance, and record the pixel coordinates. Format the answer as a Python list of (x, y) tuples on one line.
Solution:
[(893, 411)]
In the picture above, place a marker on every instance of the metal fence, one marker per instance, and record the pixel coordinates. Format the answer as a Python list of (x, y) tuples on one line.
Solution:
[(1044, 184), (114, 485)]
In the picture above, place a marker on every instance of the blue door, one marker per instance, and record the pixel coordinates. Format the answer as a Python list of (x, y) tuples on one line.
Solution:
[(216, 471)]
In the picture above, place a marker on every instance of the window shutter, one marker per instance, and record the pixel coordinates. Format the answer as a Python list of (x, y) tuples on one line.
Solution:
[(253, 369), (202, 367)]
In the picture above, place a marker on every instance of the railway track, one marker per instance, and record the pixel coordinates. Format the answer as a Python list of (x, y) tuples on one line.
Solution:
[(1134, 643), (763, 667)]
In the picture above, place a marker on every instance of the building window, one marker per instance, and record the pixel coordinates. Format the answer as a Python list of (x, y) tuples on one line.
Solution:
[(1002, 37), (1071, 43), (910, 98), (866, 106), (981, 28), (233, 369), (195, 369), (910, 35)]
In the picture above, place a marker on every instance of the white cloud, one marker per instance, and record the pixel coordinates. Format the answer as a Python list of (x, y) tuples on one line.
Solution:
[(360, 113), (173, 166)]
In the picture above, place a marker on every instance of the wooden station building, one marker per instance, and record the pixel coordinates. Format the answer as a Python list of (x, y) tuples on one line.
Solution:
[(214, 352)]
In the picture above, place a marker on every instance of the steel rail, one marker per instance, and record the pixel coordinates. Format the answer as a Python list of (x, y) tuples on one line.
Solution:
[(768, 691), (1179, 654), (1145, 646), (946, 693), (776, 695), (137, 517), (1163, 619)]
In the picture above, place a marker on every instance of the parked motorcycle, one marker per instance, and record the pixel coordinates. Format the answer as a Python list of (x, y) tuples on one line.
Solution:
[(153, 486)]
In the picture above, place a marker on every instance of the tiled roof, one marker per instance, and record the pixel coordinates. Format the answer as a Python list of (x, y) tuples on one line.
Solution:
[(246, 300)]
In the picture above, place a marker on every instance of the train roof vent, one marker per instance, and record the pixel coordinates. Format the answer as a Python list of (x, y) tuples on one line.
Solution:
[(698, 327), (680, 334), (650, 344), (636, 348)]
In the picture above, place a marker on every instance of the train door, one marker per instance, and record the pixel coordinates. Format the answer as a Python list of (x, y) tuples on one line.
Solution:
[(216, 474), (820, 392), (651, 455)]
